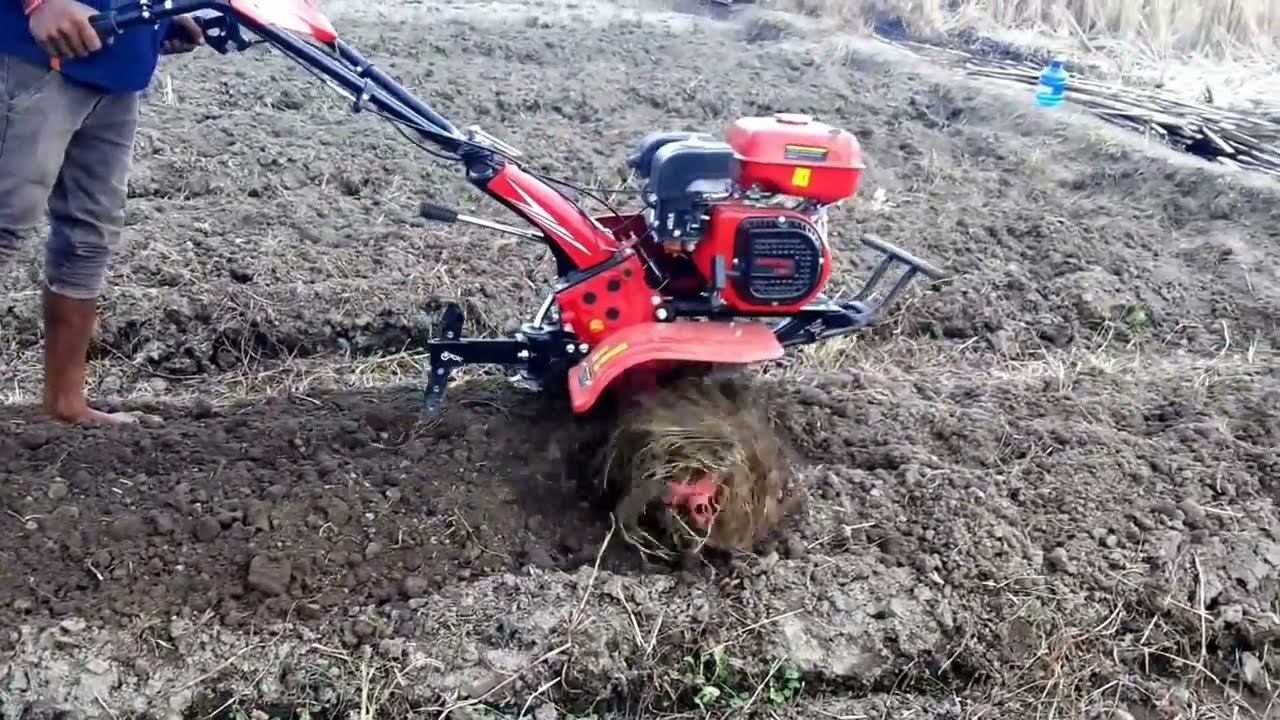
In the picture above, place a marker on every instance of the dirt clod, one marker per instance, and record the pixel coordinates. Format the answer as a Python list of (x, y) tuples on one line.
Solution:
[(125, 527), (1192, 514), (207, 529), (269, 576)]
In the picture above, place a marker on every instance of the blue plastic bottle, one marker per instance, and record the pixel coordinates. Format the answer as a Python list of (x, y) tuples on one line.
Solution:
[(1053, 85)]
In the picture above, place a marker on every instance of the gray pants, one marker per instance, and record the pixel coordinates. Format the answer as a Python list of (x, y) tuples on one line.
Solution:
[(64, 149)]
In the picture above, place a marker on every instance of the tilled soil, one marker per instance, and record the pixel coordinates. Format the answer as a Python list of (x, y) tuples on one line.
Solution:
[(343, 499), (1046, 488)]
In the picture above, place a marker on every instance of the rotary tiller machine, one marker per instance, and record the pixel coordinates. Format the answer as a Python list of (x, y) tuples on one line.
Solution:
[(724, 264)]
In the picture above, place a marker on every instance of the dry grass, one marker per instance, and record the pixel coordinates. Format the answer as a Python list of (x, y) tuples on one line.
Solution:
[(1219, 27), (1087, 669), (1224, 51), (689, 431), (1105, 354)]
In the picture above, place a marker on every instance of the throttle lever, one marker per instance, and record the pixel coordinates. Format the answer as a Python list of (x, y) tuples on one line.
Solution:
[(221, 31), (104, 24)]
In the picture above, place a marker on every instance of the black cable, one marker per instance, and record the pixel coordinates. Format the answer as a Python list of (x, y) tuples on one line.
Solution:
[(576, 188)]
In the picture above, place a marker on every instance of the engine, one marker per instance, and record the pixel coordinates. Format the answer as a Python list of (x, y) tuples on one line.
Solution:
[(742, 222)]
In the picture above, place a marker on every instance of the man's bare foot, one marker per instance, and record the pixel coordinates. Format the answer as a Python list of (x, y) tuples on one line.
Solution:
[(70, 324), (84, 415)]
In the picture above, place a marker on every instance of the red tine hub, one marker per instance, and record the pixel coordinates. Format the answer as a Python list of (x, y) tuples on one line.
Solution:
[(697, 500)]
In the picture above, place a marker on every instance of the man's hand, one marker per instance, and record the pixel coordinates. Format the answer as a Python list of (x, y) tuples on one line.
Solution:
[(62, 29), (184, 36)]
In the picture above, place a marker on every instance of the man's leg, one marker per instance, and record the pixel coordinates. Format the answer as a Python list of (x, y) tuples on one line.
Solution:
[(36, 123), (39, 114), (86, 214)]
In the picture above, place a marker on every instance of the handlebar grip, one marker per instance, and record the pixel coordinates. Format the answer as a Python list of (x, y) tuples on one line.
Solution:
[(438, 213), (902, 256), (104, 24)]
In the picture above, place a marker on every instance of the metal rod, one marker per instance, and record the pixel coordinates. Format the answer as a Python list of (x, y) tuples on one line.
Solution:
[(502, 227)]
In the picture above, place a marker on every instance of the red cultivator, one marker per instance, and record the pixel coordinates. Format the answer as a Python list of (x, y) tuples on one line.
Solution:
[(724, 265)]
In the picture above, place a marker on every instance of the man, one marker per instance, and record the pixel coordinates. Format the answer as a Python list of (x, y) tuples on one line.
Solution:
[(68, 117)]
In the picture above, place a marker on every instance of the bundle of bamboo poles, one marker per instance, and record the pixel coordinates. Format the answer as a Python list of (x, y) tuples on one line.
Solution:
[(1237, 139)]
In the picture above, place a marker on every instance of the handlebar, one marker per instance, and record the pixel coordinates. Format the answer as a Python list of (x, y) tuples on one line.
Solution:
[(221, 31), (111, 23)]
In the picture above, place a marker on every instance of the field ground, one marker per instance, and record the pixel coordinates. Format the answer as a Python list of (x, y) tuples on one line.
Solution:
[(1047, 490)]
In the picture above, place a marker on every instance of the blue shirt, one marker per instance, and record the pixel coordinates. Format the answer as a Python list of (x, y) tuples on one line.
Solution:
[(126, 65)]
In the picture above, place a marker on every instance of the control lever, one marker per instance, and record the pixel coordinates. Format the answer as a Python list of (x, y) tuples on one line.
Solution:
[(221, 30), (476, 135), (439, 213), (104, 24)]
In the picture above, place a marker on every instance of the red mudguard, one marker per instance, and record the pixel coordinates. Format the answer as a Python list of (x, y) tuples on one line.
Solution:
[(718, 343)]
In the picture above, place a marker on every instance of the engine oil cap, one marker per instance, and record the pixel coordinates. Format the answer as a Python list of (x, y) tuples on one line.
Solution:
[(793, 118)]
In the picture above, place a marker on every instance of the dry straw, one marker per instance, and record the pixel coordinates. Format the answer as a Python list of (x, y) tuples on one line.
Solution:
[(1213, 27), (688, 430)]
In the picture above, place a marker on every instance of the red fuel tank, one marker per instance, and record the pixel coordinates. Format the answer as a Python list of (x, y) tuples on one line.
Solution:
[(795, 155)]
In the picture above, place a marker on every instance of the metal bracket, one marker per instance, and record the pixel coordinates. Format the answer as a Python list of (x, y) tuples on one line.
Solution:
[(476, 135), (824, 319), (449, 351), (442, 361)]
